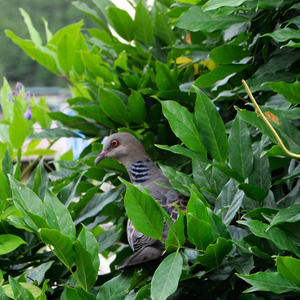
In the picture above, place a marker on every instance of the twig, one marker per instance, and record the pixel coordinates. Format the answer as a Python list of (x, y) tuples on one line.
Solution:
[(261, 114)]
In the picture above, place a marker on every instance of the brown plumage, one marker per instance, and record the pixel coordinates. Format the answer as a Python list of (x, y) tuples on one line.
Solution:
[(142, 171)]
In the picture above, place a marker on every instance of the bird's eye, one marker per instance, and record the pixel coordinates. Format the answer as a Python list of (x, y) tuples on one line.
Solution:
[(114, 143)]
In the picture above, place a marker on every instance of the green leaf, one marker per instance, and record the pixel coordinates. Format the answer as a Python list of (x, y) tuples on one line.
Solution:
[(289, 215), (73, 30), (166, 277), (121, 22), (40, 113), (211, 127), (58, 216), (85, 271), (114, 107), (253, 192), (107, 239), (230, 173), (290, 91), (199, 233), (137, 108), (178, 149), (214, 4), (143, 24), (228, 202), (261, 175), (96, 66), (195, 19), (214, 254), (6, 106), (82, 294), (165, 78), (38, 273), (9, 242), (284, 34), (179, 180), (18, 129), (196, 208), (116, 288), (183, 125), (66, 52), (177, 237), (274, 234), (240, 148), (35, 36), (162, 29), (143, 211), (53, 134), (29, 203), (20, 291), (218, 73), (94, 112), (33, 52), (62, 244), (89, 242), (289, 267), (4, 187), (226, 54), (270, 282), (92, 14), (49, 34), (218, 227)]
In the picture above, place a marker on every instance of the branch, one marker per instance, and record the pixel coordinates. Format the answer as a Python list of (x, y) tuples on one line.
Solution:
[(261, 114)]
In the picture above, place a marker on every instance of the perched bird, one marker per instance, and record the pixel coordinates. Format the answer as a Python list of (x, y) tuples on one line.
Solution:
[(142, 171)]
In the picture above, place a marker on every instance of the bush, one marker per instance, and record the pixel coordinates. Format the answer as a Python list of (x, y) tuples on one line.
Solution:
[(176, 82)]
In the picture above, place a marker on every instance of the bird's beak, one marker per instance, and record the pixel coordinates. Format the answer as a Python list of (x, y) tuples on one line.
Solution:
[(100, 156)]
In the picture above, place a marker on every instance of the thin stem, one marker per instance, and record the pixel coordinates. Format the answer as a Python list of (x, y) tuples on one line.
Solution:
[(31, 165), (261, 114)]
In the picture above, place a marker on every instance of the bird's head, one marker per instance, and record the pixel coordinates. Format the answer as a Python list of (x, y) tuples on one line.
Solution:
[(122, 146)]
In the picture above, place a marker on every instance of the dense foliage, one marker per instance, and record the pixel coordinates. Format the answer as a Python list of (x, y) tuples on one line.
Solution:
[(175, 83)]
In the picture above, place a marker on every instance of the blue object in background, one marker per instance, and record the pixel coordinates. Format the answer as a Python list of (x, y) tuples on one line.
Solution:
[(77, 144)]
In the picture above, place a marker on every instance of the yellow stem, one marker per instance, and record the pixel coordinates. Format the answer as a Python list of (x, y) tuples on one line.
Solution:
[(261, 114)]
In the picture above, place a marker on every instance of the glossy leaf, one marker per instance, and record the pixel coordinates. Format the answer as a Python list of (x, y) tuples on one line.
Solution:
[(289, 267), (122, 22), (66, 52), (253, 192), (20, 291), (215, 253), (271, 282), (228, 202), (289, 215), (211, 127), (226, 54), (240, 148), (276, 235), (143, 211), (183, 125), (58, 216), (166, 79), (62, 244), (143, 26), (35, 36), (9, 242), (137, 108), (290, 91), (218, 73), (195, 20), (165, 279), (116, 288), (33, 52), (114, 107)]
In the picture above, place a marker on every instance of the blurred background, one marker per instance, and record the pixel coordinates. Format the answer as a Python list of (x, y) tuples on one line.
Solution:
[(15, 65)]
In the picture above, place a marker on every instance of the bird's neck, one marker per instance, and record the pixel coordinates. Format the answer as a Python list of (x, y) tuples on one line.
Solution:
[(140, 171)]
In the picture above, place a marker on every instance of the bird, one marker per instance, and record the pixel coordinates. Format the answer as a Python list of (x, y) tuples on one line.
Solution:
[(126, 149)]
